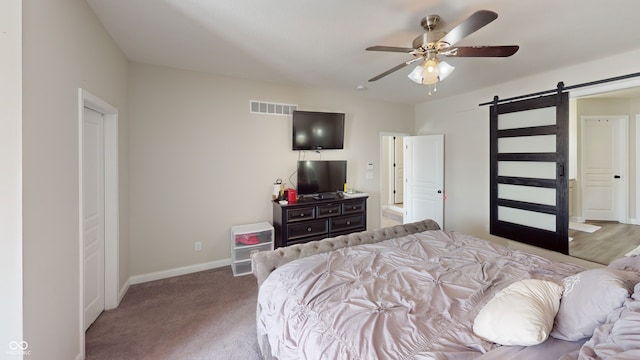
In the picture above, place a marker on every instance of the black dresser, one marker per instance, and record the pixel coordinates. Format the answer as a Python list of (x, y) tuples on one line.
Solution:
[(311, 219)]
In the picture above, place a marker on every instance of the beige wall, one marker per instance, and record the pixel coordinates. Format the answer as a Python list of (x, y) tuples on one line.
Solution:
[(465, 126), (10, 173), (64, 48), (200, 162)]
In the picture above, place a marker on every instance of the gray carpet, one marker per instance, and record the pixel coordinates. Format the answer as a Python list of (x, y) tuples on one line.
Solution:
[(205, 315)]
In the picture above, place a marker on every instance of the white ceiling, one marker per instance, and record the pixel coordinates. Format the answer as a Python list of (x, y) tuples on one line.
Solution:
[(322, 43)]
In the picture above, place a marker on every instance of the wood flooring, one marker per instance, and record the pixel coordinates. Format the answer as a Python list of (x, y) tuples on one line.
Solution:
[(610, 242)]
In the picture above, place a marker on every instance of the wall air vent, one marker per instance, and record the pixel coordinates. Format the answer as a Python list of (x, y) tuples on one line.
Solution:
[(263, 107)]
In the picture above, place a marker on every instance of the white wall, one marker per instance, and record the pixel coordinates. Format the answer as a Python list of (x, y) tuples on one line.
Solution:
[(200, 162), (64, 48), (466, 129), (10, 176)]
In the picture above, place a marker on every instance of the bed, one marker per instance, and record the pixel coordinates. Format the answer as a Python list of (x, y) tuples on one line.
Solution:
[(414, 291)]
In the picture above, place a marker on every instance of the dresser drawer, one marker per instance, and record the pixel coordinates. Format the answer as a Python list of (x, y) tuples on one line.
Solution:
[(346, 223), (298, 214), (308, 228), (328, 210), (353, 207)]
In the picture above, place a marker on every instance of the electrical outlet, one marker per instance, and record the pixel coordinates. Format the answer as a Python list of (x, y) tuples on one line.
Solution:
[(198, 246)]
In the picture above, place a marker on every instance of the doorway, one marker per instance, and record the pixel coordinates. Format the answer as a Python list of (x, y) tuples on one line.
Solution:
[(391, 179), (422, 179), (597, 240), (98, 198), (396, 171)]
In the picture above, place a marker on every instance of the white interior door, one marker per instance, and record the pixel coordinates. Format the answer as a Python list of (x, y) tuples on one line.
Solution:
[(93, 215), (603, 168), (398, 170), (424, 178)]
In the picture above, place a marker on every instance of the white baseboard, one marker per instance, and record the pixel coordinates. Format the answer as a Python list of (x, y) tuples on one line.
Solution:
[(121, 293), (580, 219), (158, 275), (123, 290)]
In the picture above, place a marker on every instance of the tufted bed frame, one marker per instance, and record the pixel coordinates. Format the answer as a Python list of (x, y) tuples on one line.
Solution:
[(265, 262), (333, 306)]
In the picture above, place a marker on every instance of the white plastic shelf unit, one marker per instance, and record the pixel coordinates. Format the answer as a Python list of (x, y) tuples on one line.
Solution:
[(246, 240)]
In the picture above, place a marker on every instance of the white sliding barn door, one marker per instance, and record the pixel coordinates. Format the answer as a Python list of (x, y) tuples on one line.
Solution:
[(424, 178)]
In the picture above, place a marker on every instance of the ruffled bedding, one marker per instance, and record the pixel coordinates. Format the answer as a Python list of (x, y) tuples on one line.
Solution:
[(414, 297), (619, 337)]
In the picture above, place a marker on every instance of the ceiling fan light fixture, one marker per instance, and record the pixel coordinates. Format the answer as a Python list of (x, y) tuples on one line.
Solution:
[(421, 74), (430, 71), (445, 70), (416, 75), (430, 66), (429, 78)]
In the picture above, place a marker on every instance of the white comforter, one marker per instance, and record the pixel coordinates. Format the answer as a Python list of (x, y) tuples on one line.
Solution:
[(413, 297)]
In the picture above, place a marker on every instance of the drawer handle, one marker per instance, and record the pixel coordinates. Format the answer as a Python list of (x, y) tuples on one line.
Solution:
[(302, 215), (309, 229), (348, 222), (330, 211), (353, 208)]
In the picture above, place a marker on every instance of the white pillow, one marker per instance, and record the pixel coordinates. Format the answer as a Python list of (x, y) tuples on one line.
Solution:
[(520, 314)]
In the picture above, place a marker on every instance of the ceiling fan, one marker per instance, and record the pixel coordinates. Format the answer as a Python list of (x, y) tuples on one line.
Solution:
[(430, 45)]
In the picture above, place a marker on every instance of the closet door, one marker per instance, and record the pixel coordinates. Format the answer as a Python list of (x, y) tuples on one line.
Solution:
[(529, 171)]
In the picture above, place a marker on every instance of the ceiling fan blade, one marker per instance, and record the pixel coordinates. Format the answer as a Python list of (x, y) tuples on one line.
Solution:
[(473, 23), (390, 49), (482, 51), (394, 69)]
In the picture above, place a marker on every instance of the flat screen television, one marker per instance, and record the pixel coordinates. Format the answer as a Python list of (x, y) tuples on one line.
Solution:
[(317, 130), (317, 177)]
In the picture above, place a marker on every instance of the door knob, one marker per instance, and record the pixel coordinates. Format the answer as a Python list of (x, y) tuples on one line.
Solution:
[(439, 191), (616, 176)]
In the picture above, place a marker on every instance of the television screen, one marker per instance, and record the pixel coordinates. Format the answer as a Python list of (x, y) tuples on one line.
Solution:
[(317, 130), (321, 176)]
